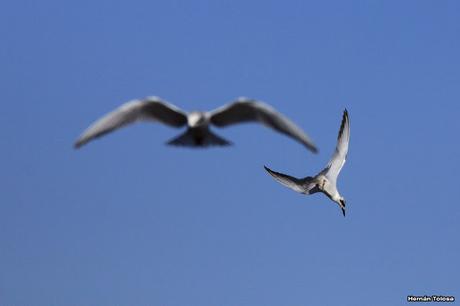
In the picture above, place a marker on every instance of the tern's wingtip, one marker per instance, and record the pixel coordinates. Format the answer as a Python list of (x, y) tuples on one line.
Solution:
[(267, 169), (77, 145)]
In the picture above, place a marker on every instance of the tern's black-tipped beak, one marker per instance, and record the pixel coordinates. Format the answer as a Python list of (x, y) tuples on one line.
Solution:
[(342, 206)]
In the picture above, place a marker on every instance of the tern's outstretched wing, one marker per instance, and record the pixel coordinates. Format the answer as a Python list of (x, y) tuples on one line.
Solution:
[(337, 161), (304, 185), (246, 110), (151, 108)]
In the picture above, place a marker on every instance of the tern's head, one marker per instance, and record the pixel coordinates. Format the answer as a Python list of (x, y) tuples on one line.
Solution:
[(196, 119)]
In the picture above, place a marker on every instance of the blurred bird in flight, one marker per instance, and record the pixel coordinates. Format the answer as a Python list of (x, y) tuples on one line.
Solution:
[(198, 132)]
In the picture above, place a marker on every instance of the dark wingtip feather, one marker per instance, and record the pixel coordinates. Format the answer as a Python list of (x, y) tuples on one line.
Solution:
[(270, 171), (77, 145), (275, 174), (313, 149), (344, 120)]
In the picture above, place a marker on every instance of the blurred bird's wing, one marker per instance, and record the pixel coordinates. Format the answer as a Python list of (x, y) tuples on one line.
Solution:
[(337, 161), (304, 185), (247, 110), (151, 108)]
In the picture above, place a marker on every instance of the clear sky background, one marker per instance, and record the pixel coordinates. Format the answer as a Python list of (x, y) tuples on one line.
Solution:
[(127, 220)]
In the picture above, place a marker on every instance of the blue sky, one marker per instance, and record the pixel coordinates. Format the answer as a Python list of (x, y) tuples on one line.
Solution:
[(130, 221)]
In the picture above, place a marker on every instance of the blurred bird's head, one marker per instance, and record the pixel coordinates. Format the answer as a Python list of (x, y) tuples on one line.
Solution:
[(197, 119)]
